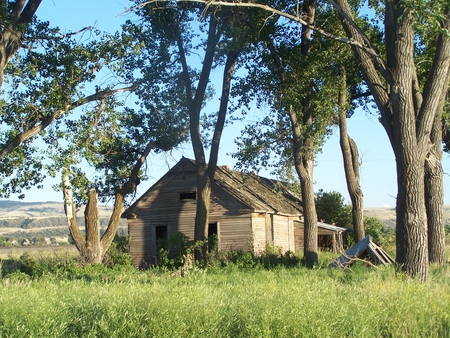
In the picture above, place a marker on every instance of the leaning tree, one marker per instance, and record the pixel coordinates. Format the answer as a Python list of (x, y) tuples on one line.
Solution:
[(117, 143)]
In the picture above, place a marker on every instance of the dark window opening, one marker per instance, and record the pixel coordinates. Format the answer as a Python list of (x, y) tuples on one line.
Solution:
[(213, 237), (212, 229), (161, 236), (191, 195)]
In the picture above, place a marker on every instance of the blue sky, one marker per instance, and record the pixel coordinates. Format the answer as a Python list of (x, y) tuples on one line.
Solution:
[(378, 176)]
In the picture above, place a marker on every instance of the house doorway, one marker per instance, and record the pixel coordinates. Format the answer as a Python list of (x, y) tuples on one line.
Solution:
[(213, 237), (161, 236)]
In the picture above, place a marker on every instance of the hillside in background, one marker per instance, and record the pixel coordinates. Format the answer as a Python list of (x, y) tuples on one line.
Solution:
[(28, 219), (387, 215), (31, 219)]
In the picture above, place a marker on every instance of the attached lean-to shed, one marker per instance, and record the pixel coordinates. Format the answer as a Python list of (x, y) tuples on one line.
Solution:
[(329, 237), (247, 212), (365, 249)]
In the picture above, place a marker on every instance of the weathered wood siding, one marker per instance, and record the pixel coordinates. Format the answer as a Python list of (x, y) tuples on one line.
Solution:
[(235, 233), (141, 252), (281, 232), (259, 232), (299, 235), (162, 205)]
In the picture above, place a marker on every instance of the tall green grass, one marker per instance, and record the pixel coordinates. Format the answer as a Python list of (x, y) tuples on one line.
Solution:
[(230, 302)]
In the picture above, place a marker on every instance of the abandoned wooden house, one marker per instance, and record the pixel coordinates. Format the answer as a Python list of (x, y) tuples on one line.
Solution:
[(247, 212)]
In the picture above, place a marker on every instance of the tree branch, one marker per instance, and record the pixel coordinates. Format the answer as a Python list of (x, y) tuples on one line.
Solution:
[(296, 18), (27, 134), (28, 12)]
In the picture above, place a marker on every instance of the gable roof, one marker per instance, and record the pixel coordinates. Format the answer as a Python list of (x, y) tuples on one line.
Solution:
[(258, 194)]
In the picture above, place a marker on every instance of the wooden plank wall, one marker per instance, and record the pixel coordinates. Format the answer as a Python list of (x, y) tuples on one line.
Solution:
[(235, 233), (299, 236), (281, 232), (141, 252), (162, 206), (259, 233)]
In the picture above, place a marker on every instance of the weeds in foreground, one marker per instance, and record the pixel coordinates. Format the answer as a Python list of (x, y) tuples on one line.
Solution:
[(227, 295), (227, 302)]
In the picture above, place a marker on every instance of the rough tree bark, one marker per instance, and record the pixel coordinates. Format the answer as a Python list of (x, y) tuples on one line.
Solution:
[(91, 246), (434, 196), (407, 116), (303, 147), (351, 167), (13, 28)]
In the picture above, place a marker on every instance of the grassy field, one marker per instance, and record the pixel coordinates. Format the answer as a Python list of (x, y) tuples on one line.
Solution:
[(226, 302)]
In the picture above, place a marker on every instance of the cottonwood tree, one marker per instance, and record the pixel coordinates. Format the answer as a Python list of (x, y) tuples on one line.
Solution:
[(44, 83), (49, 80), (115, 137), (117, 143), (408, 111), (408, 107), (219, 38), (300, 77)]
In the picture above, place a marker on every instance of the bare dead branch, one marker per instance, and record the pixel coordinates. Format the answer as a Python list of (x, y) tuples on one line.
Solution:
[(296, 18)]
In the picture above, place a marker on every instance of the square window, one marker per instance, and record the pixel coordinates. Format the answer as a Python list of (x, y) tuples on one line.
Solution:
[(187, 196)]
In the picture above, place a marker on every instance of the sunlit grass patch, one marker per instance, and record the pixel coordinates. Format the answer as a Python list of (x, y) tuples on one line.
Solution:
[(294, 302)]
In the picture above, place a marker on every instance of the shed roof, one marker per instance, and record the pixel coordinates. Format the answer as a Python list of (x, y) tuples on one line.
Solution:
[(365, 248), (327, 229), (258, 194)]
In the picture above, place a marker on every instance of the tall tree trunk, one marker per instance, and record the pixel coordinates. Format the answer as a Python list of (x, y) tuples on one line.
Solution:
[(303, 153), (303, 143), (92, 248), (306, 150), (94, 251), (202, 210), (205, 172), (195, 102), (70, 211), (434, 196), (310, 250), (407, 115), (351, 167)]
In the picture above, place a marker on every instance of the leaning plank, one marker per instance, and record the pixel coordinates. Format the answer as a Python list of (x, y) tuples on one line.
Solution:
[(364, 249)]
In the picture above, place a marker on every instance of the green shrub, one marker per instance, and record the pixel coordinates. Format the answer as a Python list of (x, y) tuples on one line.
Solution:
[(32, 266), (118, 253), (447, 229)]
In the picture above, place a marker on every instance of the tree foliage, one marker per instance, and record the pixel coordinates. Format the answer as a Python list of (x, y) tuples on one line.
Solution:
[(47, 81), (332, 209)]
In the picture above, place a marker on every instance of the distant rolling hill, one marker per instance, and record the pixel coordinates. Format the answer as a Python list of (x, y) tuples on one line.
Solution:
[(387, 215), (24, 219), (29, 219)]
